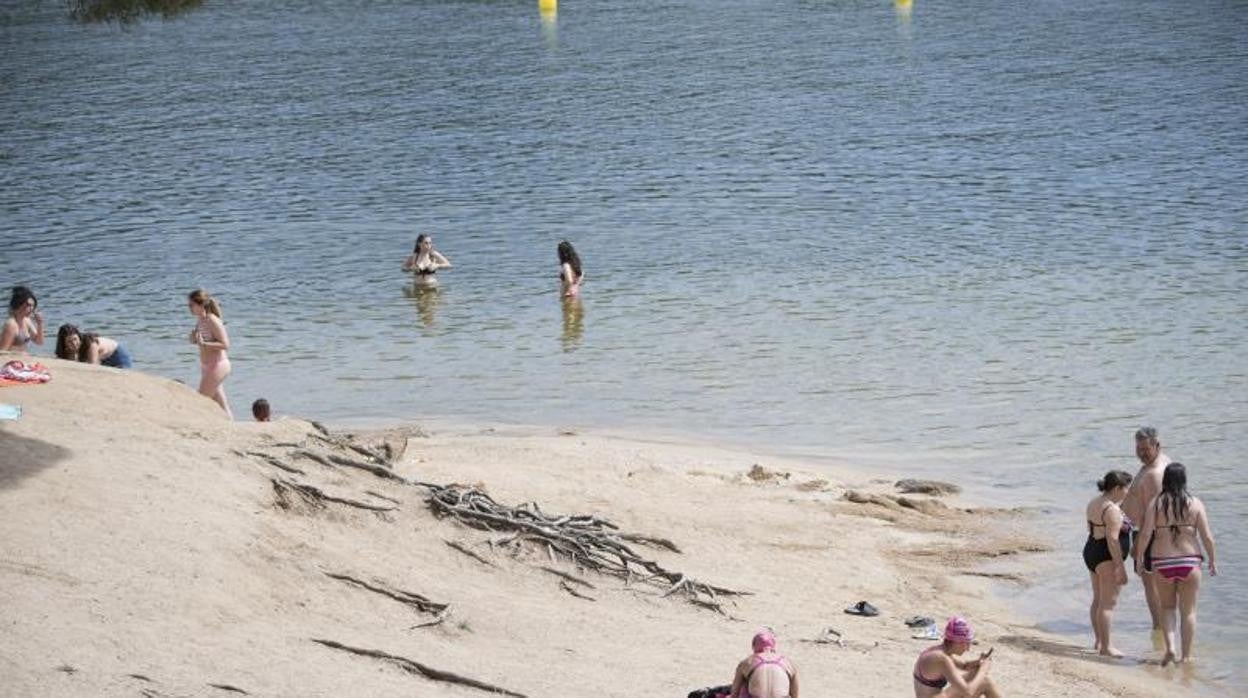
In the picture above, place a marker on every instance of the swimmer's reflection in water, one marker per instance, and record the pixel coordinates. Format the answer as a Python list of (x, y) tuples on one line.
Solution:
[(573, 322), (427, 300)]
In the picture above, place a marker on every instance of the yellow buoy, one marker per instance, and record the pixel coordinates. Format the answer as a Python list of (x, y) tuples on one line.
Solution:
[(548, 7)]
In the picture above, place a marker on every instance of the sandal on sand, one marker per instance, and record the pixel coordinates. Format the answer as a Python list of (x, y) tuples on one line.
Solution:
[(862, 608), (929, 632), (919, 621)]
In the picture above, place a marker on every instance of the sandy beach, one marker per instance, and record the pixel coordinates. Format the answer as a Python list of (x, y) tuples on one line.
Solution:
[(153, 548)]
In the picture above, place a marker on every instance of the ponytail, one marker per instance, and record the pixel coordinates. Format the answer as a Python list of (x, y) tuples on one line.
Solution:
[(201, 298)]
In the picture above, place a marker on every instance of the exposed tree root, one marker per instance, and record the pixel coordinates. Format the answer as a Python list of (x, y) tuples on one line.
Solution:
[(414, 667), (568, 577), (273, 461), (457, 546), (651, 541), (227, 687), (572, 590), (417, 601), (315, 497), (586, 541)]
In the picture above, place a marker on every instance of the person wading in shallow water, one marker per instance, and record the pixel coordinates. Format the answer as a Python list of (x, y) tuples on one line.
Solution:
[(765, 674), (1146, 486), (1176, 527), (1105, 552)]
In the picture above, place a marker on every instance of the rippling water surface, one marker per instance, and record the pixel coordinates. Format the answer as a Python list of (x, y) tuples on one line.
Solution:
[(982, 239)]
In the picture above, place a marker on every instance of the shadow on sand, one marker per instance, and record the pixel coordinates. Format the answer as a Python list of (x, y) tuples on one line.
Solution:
[(23, 457)]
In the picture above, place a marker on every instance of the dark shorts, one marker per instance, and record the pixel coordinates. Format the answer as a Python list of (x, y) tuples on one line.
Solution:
[(120, 358)]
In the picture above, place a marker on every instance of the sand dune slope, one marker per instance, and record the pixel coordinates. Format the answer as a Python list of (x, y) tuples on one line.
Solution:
[(149, 547)]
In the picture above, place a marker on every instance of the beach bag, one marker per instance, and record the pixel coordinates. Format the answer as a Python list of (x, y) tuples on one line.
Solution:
[(717, 692)]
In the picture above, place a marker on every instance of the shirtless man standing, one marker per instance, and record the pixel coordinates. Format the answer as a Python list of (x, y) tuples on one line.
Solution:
[(1144, 488)]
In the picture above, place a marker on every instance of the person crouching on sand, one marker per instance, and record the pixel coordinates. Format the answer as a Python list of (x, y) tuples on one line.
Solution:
[(939, 672), (72, 345), (765, 674), (1174, 523), (260, 410), (1105, 552)]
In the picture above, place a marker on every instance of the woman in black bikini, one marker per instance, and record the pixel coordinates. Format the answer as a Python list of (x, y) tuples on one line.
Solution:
[(425, 261), (1108, 545)]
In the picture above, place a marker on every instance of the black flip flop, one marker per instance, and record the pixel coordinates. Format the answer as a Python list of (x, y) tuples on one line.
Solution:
[(862, 608)]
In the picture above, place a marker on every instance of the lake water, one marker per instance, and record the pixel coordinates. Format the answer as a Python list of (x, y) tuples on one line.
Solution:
[(976, 240)]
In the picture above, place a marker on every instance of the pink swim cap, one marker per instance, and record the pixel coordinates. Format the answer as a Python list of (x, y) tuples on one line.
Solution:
[(763, 641), (958, 630)]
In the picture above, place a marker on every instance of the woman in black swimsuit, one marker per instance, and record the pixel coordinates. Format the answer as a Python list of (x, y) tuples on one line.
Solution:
[(1108, 545), (425, 261)]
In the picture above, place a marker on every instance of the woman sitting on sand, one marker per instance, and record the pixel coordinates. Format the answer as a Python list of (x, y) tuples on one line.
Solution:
[(570, 273), (91, 348), (765, 674), (1171, 550), (213, 341), (939, 672), (424, 261), (1107, 547), (24, 324)]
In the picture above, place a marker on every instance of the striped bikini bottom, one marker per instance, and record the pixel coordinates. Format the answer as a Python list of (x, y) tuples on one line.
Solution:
[(1177, 568)]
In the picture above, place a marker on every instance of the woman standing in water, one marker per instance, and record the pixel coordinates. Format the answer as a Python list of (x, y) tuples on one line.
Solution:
[(424, 261), (570, 273), (91, 348), (24, 324), (1108, 544), (1174, 521), (213, 341)]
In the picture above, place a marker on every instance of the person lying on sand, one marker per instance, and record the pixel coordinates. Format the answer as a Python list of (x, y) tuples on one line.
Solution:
[(939, 672), (765, 674)]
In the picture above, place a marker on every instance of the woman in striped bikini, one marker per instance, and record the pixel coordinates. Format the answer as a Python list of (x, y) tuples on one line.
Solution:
[(1172, 526)]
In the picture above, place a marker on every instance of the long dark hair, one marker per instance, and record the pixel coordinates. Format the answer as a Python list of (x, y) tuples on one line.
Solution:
[(567, 255), (1174, 499), (419, 239), (21, 294), (62, 342)]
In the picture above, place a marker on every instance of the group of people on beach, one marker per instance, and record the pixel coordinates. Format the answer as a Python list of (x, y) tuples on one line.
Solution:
[(24, 325), (1155, 522), (938, 671)]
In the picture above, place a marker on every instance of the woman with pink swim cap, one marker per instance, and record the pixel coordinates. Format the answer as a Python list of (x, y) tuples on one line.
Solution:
[(939, 672), (765, 674)]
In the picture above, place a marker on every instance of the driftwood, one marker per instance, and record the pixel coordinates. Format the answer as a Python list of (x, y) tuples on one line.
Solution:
[(584, 540), (415, 667)]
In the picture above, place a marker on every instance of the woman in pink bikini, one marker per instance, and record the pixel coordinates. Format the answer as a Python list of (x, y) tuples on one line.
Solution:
[(213, 341), (939, 672), (765, 674), (1172, 525)]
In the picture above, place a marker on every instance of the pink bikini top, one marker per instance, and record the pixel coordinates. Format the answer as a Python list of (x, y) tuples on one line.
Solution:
[(760, 661)]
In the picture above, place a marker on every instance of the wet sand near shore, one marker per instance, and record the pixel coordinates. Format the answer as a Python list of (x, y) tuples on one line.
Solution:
[(151, 546)]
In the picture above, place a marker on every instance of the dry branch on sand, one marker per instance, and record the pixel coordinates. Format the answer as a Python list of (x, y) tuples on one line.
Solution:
[(586, 541), (417, 601), (418, 668)]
